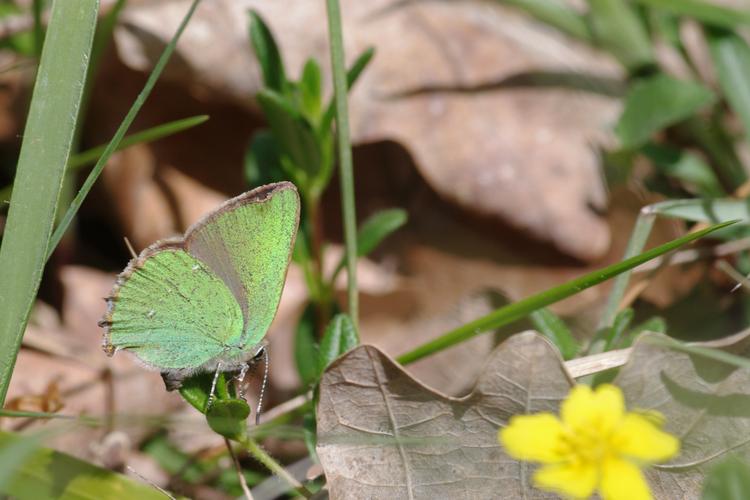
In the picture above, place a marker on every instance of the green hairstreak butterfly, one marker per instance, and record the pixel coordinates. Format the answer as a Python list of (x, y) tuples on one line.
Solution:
[(204, 302)]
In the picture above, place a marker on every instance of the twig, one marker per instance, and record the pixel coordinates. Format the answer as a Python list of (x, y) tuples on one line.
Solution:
[(693, 254), (285, 407), (148, 481), (238, 468)]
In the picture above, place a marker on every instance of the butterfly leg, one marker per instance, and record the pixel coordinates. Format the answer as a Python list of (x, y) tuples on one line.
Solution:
[(211, 395), (264, 351), (241, 378)]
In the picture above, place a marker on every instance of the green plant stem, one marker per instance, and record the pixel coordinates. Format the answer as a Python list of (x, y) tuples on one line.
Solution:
[(323, 306), (269, 463), (44, 153), (522, 308), (120, 133), (346, 171), (641, 231)]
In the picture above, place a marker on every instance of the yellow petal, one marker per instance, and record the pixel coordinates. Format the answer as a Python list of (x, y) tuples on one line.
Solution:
[(533, 437), (636, 436), (568, 480), (622, 480), (593, 410)]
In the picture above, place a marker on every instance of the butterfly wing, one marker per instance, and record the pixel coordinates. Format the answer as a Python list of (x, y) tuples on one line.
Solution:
[(171, 310), (247, 243)]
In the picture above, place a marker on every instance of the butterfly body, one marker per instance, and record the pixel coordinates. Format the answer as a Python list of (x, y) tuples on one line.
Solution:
[(205, 301)]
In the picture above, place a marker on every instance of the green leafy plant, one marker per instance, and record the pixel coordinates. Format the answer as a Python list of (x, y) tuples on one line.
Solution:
[(299, 146)]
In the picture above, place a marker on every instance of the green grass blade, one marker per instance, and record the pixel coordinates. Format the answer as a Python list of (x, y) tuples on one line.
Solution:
[(120, 133), (727, 480), (346, 170), (702, 351), (697, 210), (555, 13), (731, 56), (705, 12), (619, 30), (713, 211), (47, 140), (37, 6), (709, 135), (522, 308), (32, 472), (91, 156), (104, 33), (685, 166), (638, 238), (152, 134)]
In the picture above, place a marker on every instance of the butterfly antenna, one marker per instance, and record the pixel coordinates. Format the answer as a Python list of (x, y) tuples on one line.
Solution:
[(263, 386), (146, 480), (130, 247)]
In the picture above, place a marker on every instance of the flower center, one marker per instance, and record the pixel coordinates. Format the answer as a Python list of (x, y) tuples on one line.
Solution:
[(590, 444)]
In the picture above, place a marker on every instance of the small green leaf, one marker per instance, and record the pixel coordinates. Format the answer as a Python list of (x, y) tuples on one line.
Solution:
[(377, 227), (262, 161), (340, 336), (359, 65), (294, 135), (619, 30), (228, 417), (554, 328), (655, 324), (728, 480), (657, 102), (731, 56), (373, 231), (685, 166), (267, 53), (306, 348), (310, 91), (619, 325), (556, 13), (352, 75), (196, 389)]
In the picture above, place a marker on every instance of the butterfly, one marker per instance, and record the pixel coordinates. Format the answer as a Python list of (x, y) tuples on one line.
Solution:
[(204, 302)]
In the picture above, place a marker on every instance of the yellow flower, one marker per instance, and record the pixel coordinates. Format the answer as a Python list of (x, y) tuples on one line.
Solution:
[(595, 445)]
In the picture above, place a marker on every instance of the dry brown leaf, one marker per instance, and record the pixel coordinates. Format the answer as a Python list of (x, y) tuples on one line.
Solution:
[(509, 152), (383, 434), (706, 404)]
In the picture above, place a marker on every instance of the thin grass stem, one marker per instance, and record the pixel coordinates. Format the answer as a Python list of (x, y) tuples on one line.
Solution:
[(346, 170)]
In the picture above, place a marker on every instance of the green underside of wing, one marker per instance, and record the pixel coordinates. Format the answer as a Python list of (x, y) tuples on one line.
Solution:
[(174, 313), (249, 248)]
